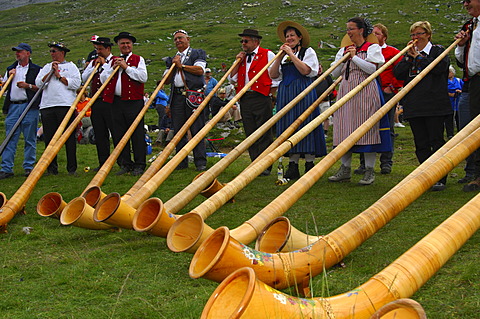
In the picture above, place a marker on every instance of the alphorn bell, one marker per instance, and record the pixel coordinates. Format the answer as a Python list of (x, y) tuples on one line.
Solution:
[(188, 241), (243, 295), (24, 113), (21, 196), (50, 203), (332, 248), (111, 203)]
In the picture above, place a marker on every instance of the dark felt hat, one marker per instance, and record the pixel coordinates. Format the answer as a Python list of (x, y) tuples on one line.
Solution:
[(124, 35), (250, 33), (103, 41), (59, 45)]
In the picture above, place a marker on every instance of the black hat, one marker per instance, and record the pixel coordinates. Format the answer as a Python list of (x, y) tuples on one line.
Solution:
[(125, 35), (250, 33), (59, 45), (103, 41)]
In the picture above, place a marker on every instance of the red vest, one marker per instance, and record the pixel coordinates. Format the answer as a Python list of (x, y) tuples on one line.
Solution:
[(96, 84), (264, 83), (131, 89)]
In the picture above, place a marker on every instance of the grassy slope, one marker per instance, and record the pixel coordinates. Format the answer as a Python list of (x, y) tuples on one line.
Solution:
[(60, 272)]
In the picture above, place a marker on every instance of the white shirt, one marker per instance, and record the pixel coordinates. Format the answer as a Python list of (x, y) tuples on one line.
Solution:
[(90, 67), (234, 78), (16, 93), (55, 92), (138, 73), (374, 55), (473, 53), (309, 59)]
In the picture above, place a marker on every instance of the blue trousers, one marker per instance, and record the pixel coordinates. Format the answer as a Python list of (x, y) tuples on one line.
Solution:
[(28, 127)]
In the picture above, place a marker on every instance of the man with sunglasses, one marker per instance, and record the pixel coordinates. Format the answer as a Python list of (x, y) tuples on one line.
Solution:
[(467, 54), (190, 66), (256, 103), (58, 95)]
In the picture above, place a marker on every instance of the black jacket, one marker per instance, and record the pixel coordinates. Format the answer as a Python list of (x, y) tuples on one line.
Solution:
[(430, 96)]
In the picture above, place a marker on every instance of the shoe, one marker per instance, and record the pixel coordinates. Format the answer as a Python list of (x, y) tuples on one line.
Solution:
[(137, 171), (343, 174), (466, 179), (265, 173), (387, 169), (123, 170), (309, 166), (96, 169), (27, 172), (292, 171), (438, 187), (51, 172), (74, 174), (201, 168), (181, 166), (359, 171), (472, 186), (368, 178), (398, 125), (4, 175)]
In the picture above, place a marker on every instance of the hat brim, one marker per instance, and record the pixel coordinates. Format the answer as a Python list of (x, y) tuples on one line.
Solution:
[(305, 35), (125, 37), (346, 40), (58, 47)]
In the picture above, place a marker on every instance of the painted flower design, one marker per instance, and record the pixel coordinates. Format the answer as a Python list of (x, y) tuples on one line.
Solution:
[(255, 256)]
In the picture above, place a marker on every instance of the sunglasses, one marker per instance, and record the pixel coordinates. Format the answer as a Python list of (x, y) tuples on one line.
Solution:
[(244, 41), (53, 51)]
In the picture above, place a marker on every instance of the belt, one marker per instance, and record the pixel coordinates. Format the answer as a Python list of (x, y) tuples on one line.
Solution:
[(19, 102), (178, 90)]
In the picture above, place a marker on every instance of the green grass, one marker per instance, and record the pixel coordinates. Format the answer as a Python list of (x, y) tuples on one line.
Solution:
[(68, 272)]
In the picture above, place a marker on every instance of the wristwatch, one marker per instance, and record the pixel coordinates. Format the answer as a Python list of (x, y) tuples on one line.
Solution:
[(30, 86)]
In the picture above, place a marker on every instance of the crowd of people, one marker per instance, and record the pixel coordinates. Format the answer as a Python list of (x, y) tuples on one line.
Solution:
[(437, 103)]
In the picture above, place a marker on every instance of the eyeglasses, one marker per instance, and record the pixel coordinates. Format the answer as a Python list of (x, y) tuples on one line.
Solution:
[(244, 41), (53, 51), (417, 34), (351, 29)]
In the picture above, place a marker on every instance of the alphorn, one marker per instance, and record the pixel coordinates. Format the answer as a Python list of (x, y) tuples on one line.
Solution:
[(6, 84), (52, 204), (113, 210), (286, 269), (243, 295), (176, 139), (180, 200), (82, 210), (188, 236), (148, 217), (24, 113), (21, 196)]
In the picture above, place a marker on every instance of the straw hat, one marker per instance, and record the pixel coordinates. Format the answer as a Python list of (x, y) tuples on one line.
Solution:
[(346, 40), (305, 36)]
